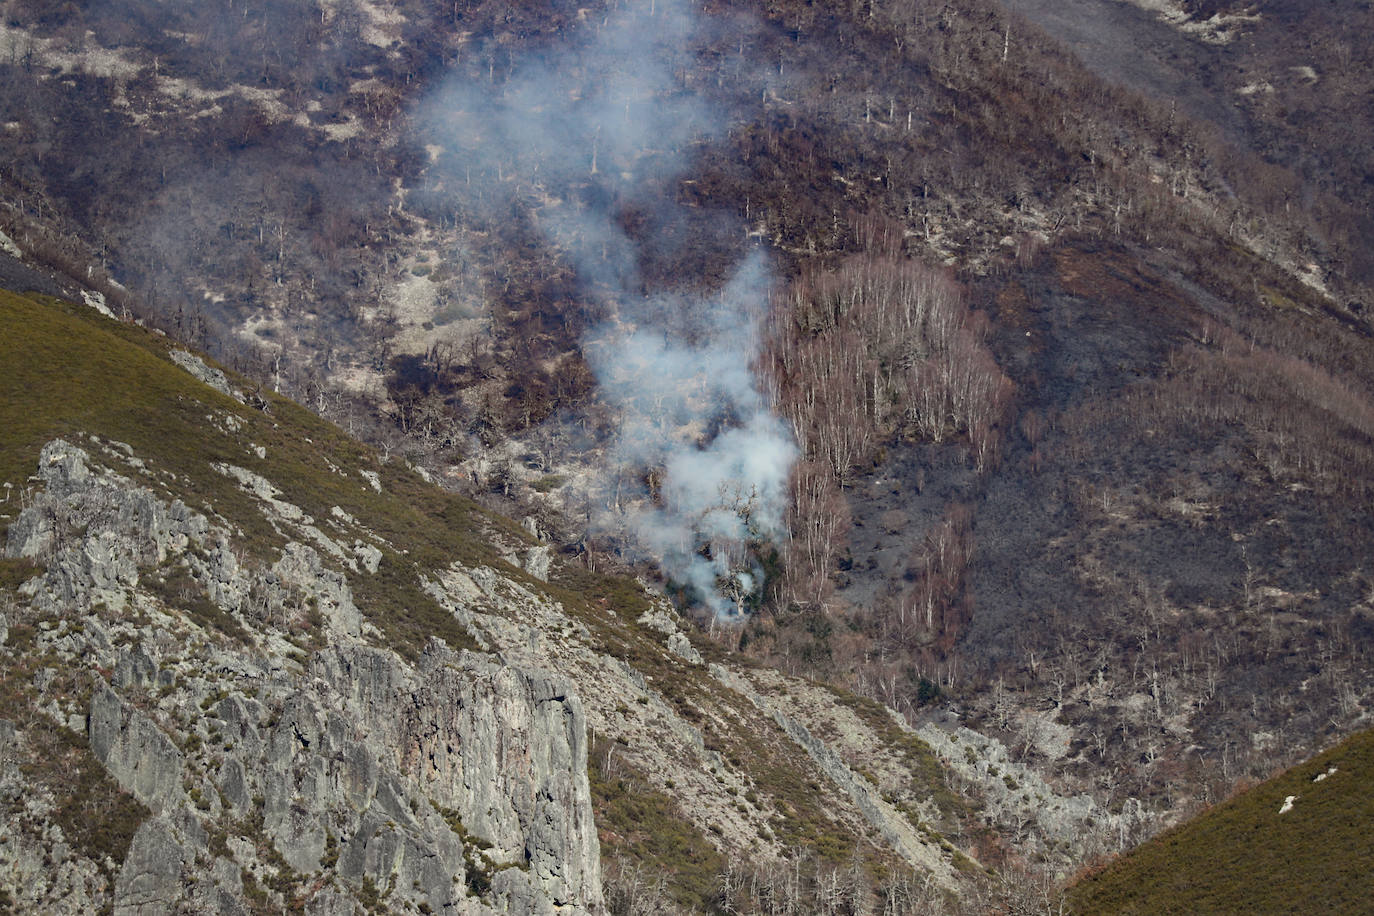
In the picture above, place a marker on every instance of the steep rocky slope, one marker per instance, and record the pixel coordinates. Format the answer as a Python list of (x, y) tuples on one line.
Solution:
[(249, 739), (251, 667)]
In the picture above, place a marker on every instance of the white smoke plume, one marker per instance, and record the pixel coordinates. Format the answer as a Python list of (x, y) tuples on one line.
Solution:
[(574, 135), (721, 490)]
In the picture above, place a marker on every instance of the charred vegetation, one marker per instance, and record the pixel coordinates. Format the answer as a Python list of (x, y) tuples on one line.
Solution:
[(1081, 381)]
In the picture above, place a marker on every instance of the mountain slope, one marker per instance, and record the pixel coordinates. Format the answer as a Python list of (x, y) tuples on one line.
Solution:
[(1081, 382), (1299, 842), (164, 629), (305, 677)]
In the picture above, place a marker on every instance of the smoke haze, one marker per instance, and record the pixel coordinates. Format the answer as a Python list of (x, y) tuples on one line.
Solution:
[(574, 137)]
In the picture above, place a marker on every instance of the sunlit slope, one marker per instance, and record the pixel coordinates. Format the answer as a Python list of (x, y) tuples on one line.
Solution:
[(691, 764), (67, 372), (1244, 856)]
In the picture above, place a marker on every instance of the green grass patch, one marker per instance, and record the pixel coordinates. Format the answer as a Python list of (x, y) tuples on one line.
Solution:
[(69, 373), (15, 572), (576, 585), (180, 592), (1275, 299), (1243, 856), (396, 604), (97, 817), (549, 483)]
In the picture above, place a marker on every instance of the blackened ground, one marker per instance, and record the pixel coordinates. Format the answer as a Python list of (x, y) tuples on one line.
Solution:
[(1161, 60), (17, 275), (1126, 536)]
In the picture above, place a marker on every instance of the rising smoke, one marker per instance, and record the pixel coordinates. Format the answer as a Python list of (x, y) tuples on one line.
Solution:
[(574, 136), (721, 491)]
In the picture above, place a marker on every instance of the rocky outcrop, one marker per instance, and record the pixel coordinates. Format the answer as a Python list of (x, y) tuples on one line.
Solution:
[(896, 829), (537, 560), (453, 784), (95, 530), (38, 871), (150, 883), (136, 753), (1016, 794), (301, 572), (503, 747), (661, 620), (288, 758), (204, 373), (682, 647)]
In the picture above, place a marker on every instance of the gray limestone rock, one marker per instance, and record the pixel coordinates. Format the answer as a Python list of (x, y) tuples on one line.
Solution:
[(987, 762), (220, 891), (233, 783), (150, 881), (319, 775), (894, 827), (94, 530), (658, 619), (394, 857), (300, 568), (360, 767), (681, 646), (135, 668), (226, 584), (504, 747), (513, 891), (135, 752), (63, 468), (536, 561), (212, 377), (329, 901), (240, 718), (369, 557)]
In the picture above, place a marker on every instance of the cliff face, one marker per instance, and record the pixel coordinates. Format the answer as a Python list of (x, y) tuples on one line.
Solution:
[(418, 781)]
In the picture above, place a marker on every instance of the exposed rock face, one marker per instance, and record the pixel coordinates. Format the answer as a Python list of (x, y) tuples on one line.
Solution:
[(536, 561), (301, 569), (125, 528), (212, 377), (677, 643), (141, 758), (1018, 793), (150, 881), (681, 646), (282, 756), (456, 784), (896, 829), (507, 747)]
